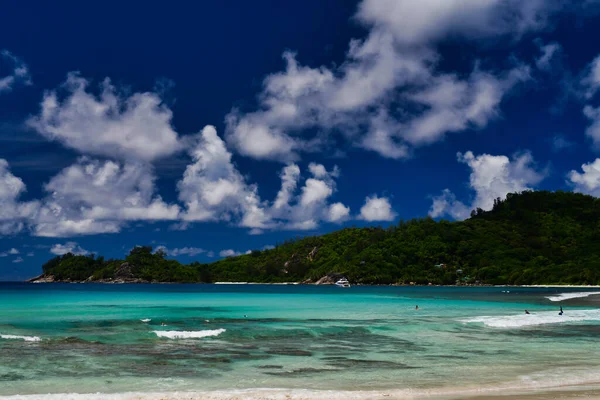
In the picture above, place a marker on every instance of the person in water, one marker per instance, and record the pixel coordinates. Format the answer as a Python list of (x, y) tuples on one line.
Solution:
[(416, 307), (561, 311), (527, 312)]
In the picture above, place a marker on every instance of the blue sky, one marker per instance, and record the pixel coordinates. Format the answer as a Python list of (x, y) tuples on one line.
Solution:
[(219, 127)]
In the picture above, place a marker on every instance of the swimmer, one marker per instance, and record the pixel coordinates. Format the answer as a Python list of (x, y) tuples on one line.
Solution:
[(416, 307), (245, 316), (561, 311)]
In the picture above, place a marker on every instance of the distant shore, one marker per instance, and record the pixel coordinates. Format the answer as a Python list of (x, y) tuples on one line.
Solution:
[(43, 279)]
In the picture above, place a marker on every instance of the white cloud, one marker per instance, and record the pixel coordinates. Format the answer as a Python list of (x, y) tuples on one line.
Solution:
[(113, 125), (305, 210), (434, 20), (18, 260), (183, 251), (30, 254), (588, 181), (591, 78), (388, 96), (10, 252), (69, 247), (338, 212), (590, 84), (593, 131), (13, 213), (491, 177), (94, 196), (377, 209), (212, 189), (289, 182), (549, 51), (18, 75), (229, 253), (560, 143)]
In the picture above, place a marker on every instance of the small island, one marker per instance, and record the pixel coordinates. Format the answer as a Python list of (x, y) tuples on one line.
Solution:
[(530, 238)]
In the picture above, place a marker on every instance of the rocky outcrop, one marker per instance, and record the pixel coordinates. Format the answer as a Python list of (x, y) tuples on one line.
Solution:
[(313, 253), (329, 279), (124, 272), (42, 279)]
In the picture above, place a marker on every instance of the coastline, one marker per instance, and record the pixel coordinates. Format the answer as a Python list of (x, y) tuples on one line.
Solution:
[(37, 280), (499, 393)]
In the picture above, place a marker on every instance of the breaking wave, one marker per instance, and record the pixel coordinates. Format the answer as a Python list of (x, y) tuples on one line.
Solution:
[(536, 318), (18, 337), (571, 295), (189, 334)]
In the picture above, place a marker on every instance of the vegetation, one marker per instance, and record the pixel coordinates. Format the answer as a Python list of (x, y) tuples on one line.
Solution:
[(529, 238)]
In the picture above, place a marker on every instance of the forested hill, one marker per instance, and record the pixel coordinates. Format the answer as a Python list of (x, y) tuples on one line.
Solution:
[(529, 238)]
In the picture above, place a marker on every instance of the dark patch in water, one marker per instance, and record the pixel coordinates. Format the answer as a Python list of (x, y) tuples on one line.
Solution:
[(11, 376), (214, 360), (270, 366), (248, 356), (290, 352), (300, 372), (354, 363), (450, 357)]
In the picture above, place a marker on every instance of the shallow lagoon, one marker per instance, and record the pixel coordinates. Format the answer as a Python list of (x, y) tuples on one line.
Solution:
[(88, 338)]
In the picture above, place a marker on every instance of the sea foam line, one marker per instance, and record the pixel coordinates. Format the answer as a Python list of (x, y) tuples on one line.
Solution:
[(18, 337), (571, 295), (536, 318), (189, 334)]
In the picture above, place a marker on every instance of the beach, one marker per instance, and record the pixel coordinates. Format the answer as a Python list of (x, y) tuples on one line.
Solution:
[(92, 341)]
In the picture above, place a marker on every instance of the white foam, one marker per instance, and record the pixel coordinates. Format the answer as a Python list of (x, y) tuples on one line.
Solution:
[(18, 337), (146, 320), (537, 318), (189, 334), (571, 295)]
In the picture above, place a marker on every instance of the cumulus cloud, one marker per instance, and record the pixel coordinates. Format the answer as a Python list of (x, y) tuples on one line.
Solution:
[(19, 72), (213, 189), (13, 213), (94, 196), (111, 124), (183, 251), (338, 212), (389, 95), (69, 247), (491, 177), (587, 181), (377, 209), (434, 20), (229, 253), (102, 196)]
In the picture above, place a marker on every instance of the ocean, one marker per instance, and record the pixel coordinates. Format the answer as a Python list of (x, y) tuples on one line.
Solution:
[(232, 340)]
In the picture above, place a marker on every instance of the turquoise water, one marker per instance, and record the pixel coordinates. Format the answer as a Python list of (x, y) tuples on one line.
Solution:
[(86, 338)]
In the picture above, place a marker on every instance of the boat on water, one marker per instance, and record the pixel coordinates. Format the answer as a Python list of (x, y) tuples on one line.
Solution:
[(343, 283)]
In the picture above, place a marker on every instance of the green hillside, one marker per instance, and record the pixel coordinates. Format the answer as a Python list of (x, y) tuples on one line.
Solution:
[(529, 238)]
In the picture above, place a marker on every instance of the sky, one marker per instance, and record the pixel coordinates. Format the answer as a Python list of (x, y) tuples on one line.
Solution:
[(213, 128)]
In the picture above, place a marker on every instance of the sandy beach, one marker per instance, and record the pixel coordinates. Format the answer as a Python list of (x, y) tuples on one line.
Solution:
[(570, 393)]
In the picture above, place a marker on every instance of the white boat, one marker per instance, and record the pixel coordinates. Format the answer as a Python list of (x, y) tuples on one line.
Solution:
[(343, 283)]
